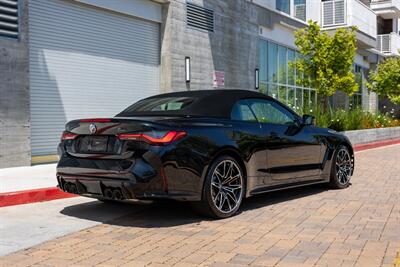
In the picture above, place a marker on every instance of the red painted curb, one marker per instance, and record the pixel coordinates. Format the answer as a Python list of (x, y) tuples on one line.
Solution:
[(30, 196), (366, 146)]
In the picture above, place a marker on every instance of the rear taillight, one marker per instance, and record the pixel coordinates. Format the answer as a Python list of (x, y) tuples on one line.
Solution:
[(167, 138), (68, 136)]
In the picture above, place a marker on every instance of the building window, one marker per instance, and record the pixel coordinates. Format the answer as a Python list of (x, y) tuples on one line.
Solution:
[(9, 24), (333, 13), (278, 77), (300, 9), (283, 5)]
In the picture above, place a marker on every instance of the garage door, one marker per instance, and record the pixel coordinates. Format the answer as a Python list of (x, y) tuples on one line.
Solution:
[(86, 62)]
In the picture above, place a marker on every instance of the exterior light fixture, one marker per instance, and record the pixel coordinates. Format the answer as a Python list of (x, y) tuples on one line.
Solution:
[(187, 69), (257, 79)]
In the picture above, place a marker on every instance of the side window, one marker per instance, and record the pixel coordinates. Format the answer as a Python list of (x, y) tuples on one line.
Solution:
[(270, 112), (242, 112)]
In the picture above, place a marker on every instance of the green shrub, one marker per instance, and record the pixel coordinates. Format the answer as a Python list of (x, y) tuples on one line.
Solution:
[(354, 119), (338, 120)]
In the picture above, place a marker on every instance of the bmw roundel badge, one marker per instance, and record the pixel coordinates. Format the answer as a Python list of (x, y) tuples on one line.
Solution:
[(92, 128)]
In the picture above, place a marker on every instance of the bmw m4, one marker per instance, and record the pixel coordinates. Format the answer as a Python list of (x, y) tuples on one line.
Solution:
[(211, 147)]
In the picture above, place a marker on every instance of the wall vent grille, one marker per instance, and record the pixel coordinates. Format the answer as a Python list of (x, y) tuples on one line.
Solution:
[(200, 17), (9, 18)]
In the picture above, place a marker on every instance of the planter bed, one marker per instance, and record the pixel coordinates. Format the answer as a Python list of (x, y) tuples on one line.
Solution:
[(372, 135)]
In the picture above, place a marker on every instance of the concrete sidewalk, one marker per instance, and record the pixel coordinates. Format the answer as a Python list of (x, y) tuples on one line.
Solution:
[(27, 225), (23, 185), (27, 178)]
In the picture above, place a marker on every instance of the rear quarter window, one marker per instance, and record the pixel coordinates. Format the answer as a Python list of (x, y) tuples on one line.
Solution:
[(241, 112)]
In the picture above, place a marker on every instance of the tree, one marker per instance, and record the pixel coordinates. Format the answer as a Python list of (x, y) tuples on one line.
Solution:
[(326, 60), (385, 80)]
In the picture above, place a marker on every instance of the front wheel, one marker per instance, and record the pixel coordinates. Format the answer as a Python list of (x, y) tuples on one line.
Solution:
[(224, 188), (342, 168)]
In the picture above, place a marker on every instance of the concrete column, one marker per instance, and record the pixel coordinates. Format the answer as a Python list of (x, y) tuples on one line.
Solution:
[(232, 48), (14, 97), (340, 100), (370, 102)]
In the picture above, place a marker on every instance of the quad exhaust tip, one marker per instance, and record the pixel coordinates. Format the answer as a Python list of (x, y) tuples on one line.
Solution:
[(71, 188), (66, 187), (114, 194), (117, 195), (108, 193)]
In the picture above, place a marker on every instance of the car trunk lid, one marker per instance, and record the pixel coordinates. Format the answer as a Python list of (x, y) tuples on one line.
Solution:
[(103, 137)]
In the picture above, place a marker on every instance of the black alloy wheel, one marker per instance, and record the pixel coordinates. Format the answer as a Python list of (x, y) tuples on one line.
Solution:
[(342, 168), (223, 189)]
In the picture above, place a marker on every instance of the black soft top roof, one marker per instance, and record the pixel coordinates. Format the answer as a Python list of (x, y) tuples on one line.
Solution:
[(208, 103)]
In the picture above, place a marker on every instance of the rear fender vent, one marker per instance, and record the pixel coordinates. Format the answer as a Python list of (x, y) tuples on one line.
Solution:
[(199, 17), (9, 18)]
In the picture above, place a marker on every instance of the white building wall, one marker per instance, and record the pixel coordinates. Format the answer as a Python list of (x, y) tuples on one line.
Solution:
[(361, 16), (398, 26), (360, 60), (270, 4), (395, 26), (279, 34), (313, 10)]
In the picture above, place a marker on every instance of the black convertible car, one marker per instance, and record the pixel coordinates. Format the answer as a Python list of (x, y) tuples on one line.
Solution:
[(211, 147)]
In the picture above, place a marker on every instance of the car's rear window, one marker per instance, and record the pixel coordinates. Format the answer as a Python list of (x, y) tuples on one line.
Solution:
[(158, 104)]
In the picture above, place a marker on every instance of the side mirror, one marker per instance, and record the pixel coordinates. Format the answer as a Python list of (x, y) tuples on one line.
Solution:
[(309, 120)]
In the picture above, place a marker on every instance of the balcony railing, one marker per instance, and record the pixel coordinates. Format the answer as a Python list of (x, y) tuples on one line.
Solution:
[(346, 13), (389, 43)]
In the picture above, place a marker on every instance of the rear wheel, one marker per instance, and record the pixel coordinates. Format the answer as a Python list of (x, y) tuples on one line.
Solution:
[(342, 168), (224, 188)]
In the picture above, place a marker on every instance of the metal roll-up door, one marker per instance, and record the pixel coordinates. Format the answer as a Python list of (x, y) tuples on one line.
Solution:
[(85, 62)]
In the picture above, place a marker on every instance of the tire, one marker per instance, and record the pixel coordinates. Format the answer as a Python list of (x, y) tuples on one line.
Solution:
[(342, 168), (223, 190)]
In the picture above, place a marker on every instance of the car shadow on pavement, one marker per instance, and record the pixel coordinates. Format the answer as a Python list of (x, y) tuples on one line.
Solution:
[(270, 198), (168, 213)]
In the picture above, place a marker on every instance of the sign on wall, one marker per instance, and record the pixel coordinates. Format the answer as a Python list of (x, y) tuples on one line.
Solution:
[(218, 79)]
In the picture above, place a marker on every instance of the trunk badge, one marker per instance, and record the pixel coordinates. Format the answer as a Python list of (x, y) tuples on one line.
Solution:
[(92, 128)]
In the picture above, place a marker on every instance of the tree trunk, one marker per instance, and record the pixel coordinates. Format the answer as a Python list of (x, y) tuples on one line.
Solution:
[(324, 103)]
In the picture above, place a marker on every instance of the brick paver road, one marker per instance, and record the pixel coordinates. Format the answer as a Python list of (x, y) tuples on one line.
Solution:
[(303, 227)]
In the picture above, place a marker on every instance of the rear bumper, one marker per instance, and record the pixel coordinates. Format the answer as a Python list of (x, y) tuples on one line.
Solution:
[(100, 188), (133, 177), (96, 186), (142, 177)]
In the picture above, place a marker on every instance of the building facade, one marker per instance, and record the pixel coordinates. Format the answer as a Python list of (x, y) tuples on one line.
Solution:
[(67, 59)]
